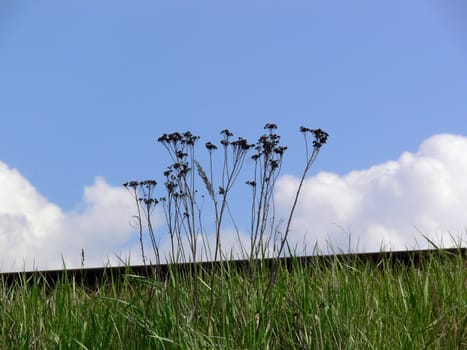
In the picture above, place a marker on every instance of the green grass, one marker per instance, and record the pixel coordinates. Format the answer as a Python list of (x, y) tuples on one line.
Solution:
[(341, 305)]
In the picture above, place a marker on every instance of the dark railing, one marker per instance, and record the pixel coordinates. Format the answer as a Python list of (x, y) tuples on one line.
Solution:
[(93, 278)]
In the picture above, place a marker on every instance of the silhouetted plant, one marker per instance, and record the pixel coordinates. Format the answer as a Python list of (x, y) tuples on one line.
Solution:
[(268, 158), (143, 193), (320, 138), (182, 204)]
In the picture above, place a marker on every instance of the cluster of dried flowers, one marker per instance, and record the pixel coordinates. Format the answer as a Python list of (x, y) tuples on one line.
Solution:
[(179, 199)]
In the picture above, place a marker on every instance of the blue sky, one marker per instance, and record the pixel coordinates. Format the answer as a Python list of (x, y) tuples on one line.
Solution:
[(86, 87)]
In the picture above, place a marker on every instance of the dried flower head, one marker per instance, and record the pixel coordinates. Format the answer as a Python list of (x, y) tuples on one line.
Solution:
[(270, 126), (210, 146), (320, 136), (226, 133)]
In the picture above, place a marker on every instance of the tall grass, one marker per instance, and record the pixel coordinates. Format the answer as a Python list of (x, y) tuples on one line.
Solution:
[(343, 304)]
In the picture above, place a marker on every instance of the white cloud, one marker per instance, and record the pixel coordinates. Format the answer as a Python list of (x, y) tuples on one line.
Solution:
[(389, 205), (35, 233)]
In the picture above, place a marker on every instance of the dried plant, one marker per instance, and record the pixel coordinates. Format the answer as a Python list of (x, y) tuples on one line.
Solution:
[(143, 193), (182, 202)]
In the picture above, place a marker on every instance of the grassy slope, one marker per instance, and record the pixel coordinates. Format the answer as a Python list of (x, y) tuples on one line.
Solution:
[(346, 305)]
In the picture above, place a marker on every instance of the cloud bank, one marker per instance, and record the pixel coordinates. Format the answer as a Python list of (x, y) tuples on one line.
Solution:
[(387, 206)]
